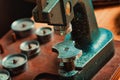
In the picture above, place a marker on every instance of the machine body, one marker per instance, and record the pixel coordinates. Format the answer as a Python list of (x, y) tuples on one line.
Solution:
[(96, 43)]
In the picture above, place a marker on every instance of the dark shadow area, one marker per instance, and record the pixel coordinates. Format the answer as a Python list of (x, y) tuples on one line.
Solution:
[(105, 3), (11, 10), (105, 6)]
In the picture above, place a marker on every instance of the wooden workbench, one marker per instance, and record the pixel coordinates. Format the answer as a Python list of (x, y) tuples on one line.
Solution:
[(46, 61)]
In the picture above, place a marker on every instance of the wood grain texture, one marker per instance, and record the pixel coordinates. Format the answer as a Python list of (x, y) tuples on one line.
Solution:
[(116, 75)]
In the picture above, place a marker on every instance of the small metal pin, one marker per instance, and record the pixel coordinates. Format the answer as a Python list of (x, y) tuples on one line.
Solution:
[(14, 37), (29, 46), (14, 61), (1, 49), (66, 49), (23, 25), (44, 32), (69, 66)]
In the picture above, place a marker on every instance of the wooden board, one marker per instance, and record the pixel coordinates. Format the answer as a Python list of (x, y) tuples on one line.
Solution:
[(46, 61), (116, 75)]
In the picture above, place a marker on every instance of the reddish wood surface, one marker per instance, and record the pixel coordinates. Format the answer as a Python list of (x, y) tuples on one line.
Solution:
[(46, 61), (116, 75)]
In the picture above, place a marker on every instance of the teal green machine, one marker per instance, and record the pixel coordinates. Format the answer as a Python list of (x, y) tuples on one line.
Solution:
[(86, 48)]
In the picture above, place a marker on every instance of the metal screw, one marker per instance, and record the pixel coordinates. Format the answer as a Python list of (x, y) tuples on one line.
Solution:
[(66, 49), (44, 32), (14, 61), (29, 46), (23, 25)]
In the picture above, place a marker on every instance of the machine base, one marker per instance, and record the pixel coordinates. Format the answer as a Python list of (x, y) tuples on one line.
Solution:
[(98, 54)]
